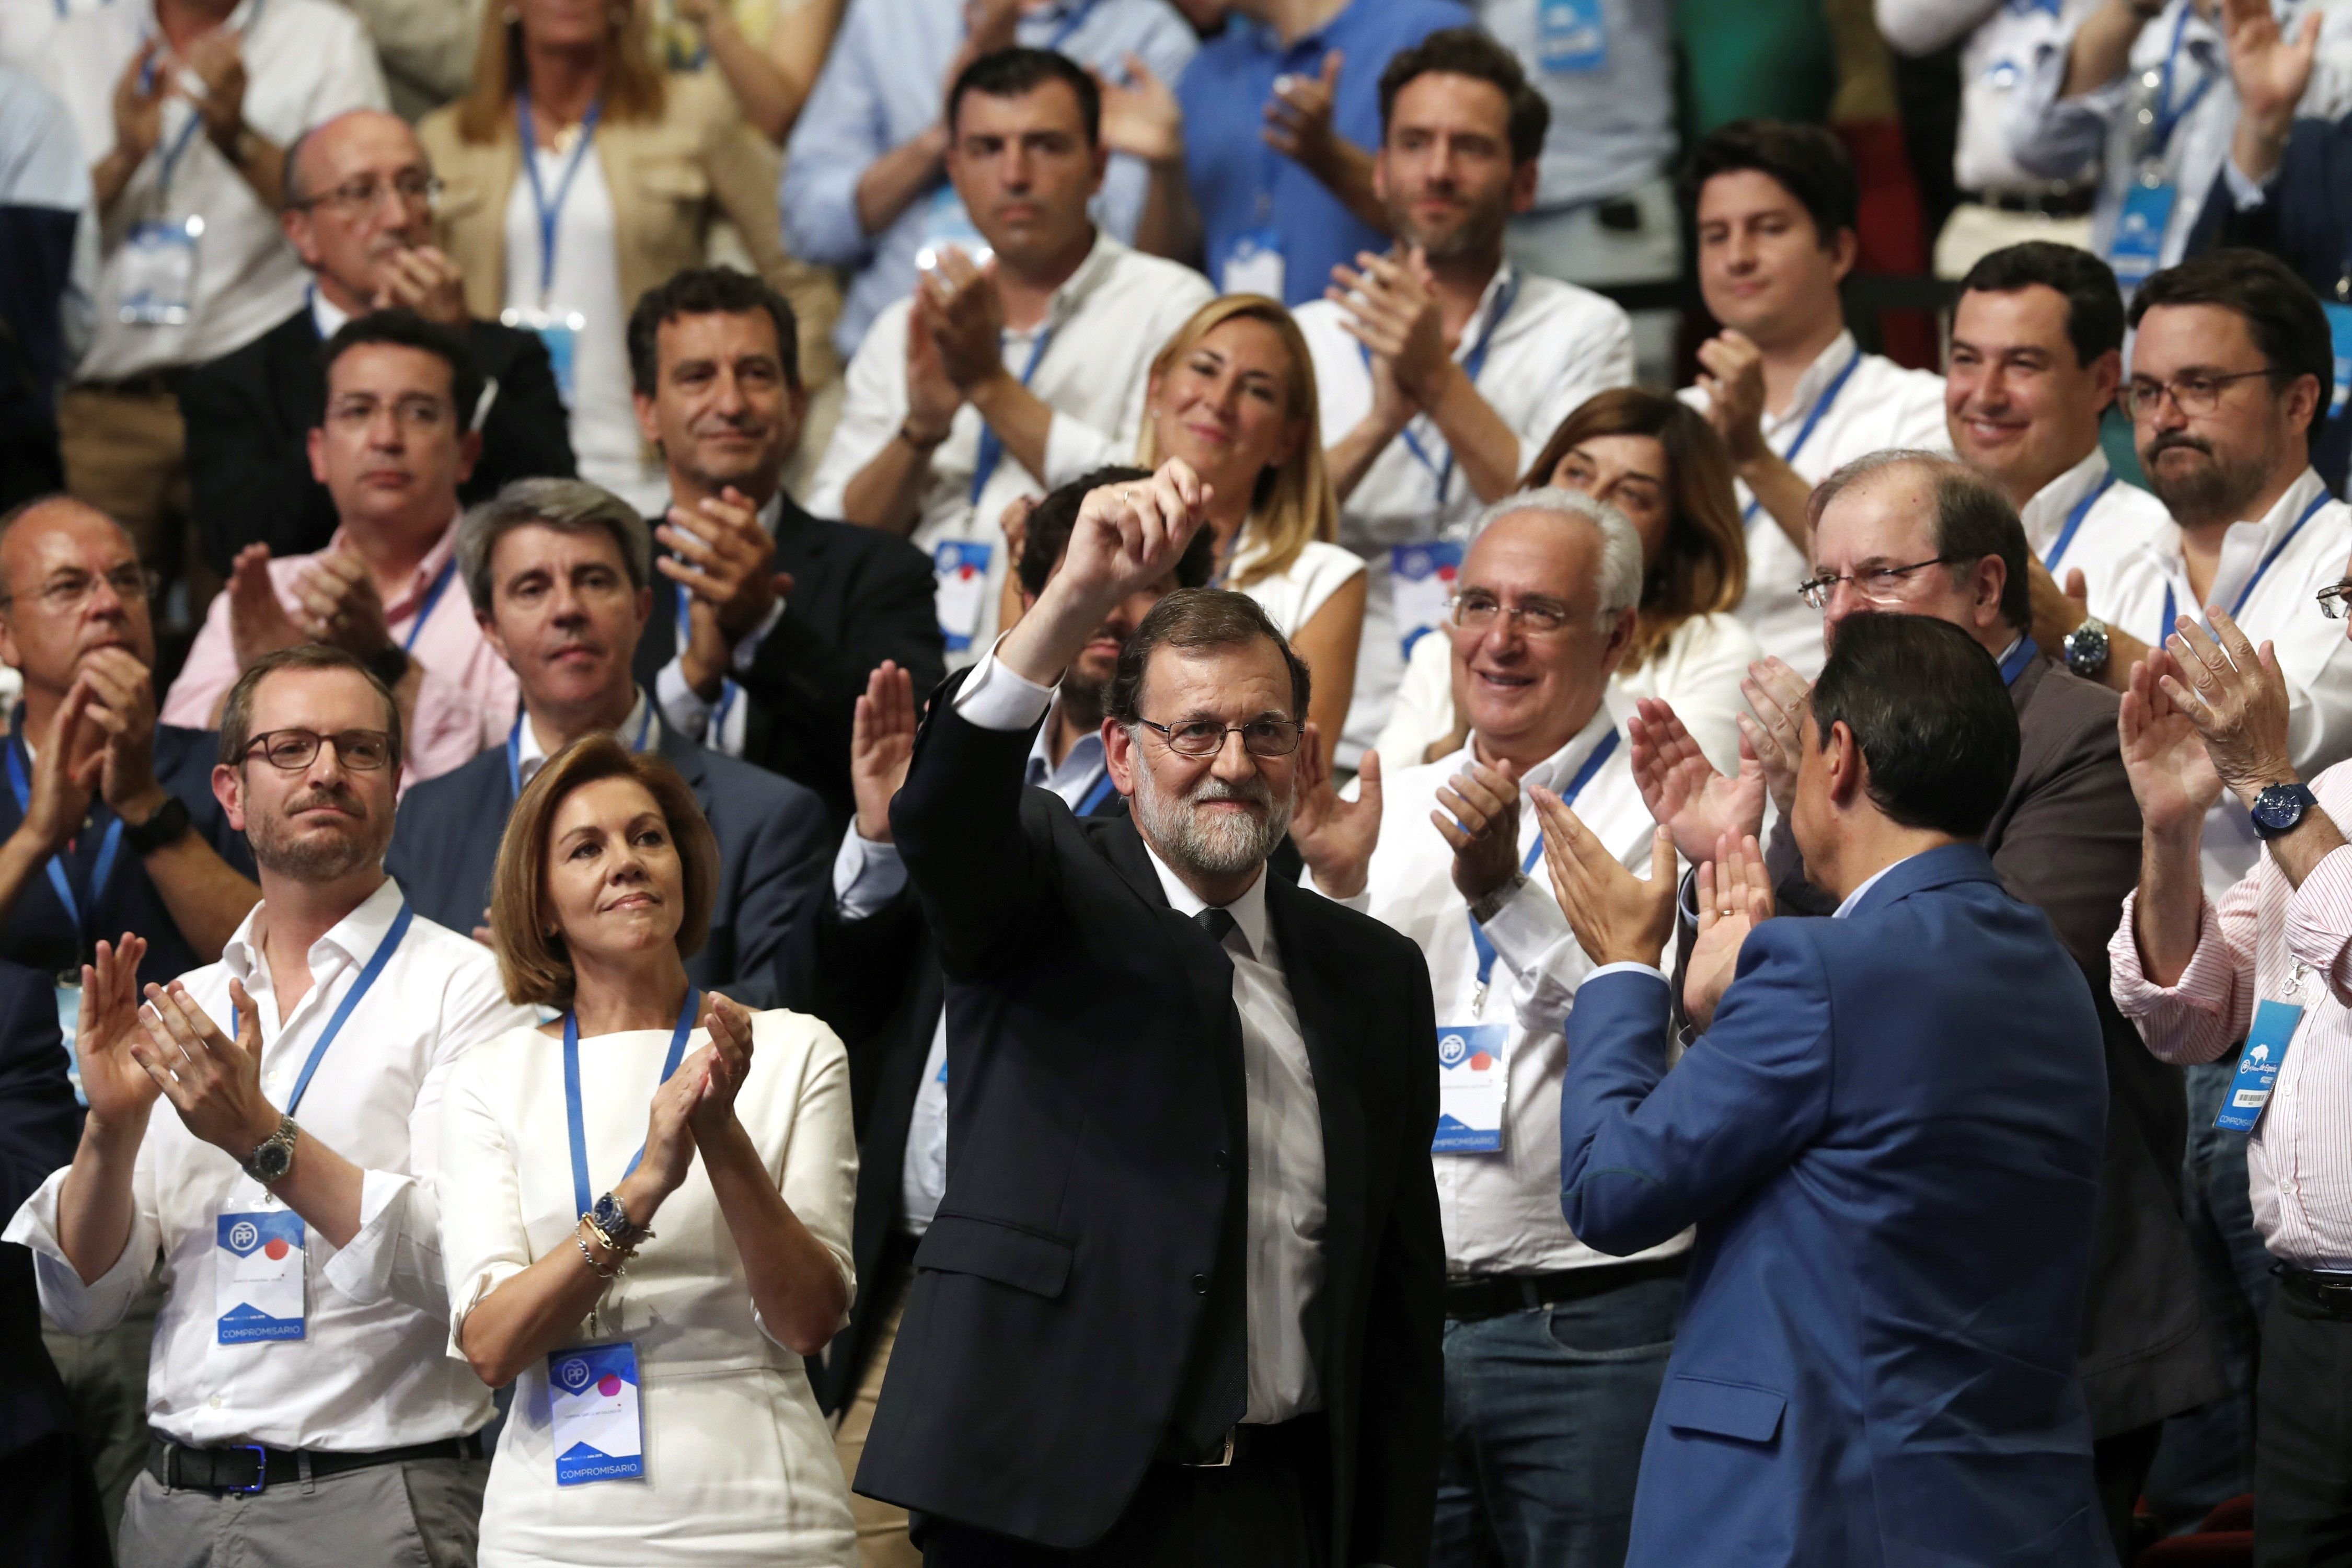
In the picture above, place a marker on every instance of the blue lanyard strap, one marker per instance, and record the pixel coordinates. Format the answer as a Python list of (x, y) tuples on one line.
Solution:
[(2075, 520), (2172, 614), (432, 597), (1592, 764), (1472, 363), (110, 846), (2026, 651), (376, 961), (514, 746), (991, 448), (2169, 118), (1095, 795), (727, 690), (1805, 432), (572, 1092), (550, 211)]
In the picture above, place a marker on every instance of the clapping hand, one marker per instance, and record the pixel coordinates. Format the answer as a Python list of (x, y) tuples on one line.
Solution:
[(257, 621), (1685, 794), (120, 1089), (1735, 897), (881, 745), (336, 603), (2057, 610), (727, 1063), (1389, 305), (720, 553), (1777, 694), (1299, 115), (1478, 815), (1618, 918), (69, 763), (1335, 836), (1731, 374), (1140, 116), (2236, 696), (212, 1080), (966, 315), (123, 712)]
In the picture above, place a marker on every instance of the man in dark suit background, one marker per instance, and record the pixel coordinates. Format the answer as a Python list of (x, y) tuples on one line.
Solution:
[(877, 974), (359, 212), (784, 615), (2064, 838), (560, 574), (1888, 1135), (1181, 1299)]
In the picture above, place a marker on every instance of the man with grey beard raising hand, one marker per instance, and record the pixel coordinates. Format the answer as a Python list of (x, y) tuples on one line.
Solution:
[(1180, 1301)]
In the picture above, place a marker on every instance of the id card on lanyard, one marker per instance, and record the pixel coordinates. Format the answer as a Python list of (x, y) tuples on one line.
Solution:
[(2135, 248), (596, 1417), (2258, 1065), (560, 330), (156, 267), (1572, 36)]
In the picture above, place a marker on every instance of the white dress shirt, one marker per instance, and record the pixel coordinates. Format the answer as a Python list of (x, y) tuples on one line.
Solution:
[(1501, 1210), (1879, 406), (371, 1371), (639, 731), (2120, 519), (1106, 322), (1555, 347), (2003, 37), (2279, 608), (1286, 1198), (305, 62)]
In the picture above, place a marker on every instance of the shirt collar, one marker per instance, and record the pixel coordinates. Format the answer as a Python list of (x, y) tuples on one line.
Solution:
[(1827, 366), (326, 316), (2045, 512), (1066, 300), (642, 721), (354, 937), (444, 550), (1248, 910), (2267, 530), (1868, 882), (1079, 766)]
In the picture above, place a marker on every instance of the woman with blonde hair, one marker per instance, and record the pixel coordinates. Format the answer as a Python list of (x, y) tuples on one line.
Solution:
[(1659, 462), (650, 1280), (552, 238), (1232, 393)]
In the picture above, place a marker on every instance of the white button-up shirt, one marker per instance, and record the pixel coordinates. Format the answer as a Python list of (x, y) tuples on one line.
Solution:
[(1879, 406), (640, 730), (1555, 347), (2279, 608), (2002, 37), (372, 1371), (1501, 1211), (305, 62), (2120, 521), (1106, 322)]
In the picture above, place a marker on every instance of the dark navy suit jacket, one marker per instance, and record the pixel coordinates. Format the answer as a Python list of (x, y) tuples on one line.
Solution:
[(775, 857), (1890, 1142), (40, 1125)]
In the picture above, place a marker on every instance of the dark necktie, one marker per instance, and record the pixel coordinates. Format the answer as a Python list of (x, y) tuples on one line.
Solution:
[(1215, 1391), (1218, 923)]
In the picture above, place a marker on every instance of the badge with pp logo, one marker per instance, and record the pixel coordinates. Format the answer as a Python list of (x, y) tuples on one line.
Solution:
[(258, 1277), (959, 589), (1471, 1064), (1421, 580), (598, 1424)]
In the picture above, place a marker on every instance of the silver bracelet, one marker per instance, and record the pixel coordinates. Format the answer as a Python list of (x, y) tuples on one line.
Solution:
[(619, 1264)]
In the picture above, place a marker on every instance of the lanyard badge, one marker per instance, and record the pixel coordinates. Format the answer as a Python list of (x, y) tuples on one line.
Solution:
[(2258, 1066), (258, 1277)]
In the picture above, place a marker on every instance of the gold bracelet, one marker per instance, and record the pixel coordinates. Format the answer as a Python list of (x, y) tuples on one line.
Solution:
[(590, 1259)]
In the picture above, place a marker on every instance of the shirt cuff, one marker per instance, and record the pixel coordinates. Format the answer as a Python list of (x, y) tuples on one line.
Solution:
[(994, 698), (2244, 190), (1628, 967), (739, 661), (865, 876), (2319, 916), (75, 1307), (682, 708)]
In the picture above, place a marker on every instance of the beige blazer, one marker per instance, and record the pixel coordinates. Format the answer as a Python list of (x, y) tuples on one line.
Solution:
[(671, 180)]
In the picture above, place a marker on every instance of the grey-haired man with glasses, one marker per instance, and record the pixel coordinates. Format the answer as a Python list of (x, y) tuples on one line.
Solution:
[(359, 210)]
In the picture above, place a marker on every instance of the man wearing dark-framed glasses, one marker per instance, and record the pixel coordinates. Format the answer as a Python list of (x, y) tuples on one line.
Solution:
[(360, 192)]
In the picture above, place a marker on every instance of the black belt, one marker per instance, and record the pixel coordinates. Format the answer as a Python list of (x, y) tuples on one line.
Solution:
[(1302, 1436), (1470, 1299), (2070, 201), (2331, 1293), (249, 1468)]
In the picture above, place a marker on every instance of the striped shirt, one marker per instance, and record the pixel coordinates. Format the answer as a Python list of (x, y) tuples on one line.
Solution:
[(2267, 940)]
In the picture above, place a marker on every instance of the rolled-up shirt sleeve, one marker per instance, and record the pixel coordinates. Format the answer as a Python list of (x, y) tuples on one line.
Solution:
[(93, 1307), (2320, 922), (2054, 136), (839, 135), (2198, 1018)]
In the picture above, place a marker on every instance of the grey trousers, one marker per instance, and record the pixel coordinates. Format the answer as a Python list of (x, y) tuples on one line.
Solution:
[(422, 1514)]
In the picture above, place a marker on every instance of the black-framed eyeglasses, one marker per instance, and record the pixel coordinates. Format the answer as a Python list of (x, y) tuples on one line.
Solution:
[(66, 591), (414, 188), (1203, 738), (1879, 584), (2334, 597), (2194, 395), (363, 751)]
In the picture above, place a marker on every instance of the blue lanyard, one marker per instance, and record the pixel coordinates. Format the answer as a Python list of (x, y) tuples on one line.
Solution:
[(1592, 764), (549, 213), (432, 597), (727, 690), (992, 450), (514, 747), (2171, 614), (179, 147), (2167, 119), (2026, 651), (572, 1092), (1805, 432), (376, 961), (1472, 363), (1096, 795), (1070, 24), (110, 846), (2075, 520)]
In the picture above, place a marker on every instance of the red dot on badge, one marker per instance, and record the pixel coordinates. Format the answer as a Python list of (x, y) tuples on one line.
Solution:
[(608, 1385), (1481, 1062), (275, 1246)]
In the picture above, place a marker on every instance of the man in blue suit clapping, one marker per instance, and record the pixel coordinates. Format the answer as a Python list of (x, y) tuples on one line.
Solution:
[(1889, 1138)]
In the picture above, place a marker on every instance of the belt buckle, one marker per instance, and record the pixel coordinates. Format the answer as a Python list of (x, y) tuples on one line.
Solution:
[(1222, 1461), (260, 1468)]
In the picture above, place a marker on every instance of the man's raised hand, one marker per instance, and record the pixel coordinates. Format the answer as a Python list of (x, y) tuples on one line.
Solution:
[(1336, 838), (1735, 897), (1618, 918), (881, 744), (1685, 794), (2171, 777)]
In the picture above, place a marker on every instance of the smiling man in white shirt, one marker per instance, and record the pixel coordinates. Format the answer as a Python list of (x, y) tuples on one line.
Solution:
[(1441, 367), (1540, 1447), (299, 1366)]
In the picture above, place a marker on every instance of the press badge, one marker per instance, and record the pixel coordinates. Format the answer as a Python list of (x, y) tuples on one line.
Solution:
[(2258, 1067), (560, 330), (959, 587), (599, 1427), (1421, 581), (1470, 1082), (158, 267), (946, 223), (2340, 333), (1571, 36), (2139, 240), (258, 1277), (1253, 266)]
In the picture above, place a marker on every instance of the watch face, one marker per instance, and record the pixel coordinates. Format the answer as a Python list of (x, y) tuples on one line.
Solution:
[(273, 1160), (2278, 810), (607, 1215)]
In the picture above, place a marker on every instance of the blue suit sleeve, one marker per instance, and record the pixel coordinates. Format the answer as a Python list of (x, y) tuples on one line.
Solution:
[(1645, 1153), (39, 1123), (841, 133)]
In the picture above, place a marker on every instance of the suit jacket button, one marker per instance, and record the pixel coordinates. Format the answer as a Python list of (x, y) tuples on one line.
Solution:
[(1200, 1284), (1225, 1161)]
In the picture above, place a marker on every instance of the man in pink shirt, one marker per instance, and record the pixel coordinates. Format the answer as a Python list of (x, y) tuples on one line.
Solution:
[(395, 445), (2265, 976)]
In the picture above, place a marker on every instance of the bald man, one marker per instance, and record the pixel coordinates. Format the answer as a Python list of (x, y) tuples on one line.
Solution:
[(110, 820), (359, 212)]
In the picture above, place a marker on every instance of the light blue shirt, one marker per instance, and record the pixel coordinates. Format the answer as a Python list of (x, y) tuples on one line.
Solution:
[(1612, 117), (881, 88)]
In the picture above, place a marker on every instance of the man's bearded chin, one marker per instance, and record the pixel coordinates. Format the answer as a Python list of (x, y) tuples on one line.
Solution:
[(2217, 490), (311, 858), (1218, 843)]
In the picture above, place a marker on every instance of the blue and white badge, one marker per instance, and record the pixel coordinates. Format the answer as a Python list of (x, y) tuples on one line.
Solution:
[(1470, 1071), (1255, 264), (258, 1277), (157, 266), (598, 1424), (946, 223), (2137, 244), (560, 330), (2339, 333), (2258, 1067), (959, 587), (1572, 36), (1421, 581), (70, 1025)]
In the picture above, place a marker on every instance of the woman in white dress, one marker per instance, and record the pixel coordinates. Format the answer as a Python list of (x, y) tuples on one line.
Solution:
[(1232, 393), (718, 1254), (1661, 464)]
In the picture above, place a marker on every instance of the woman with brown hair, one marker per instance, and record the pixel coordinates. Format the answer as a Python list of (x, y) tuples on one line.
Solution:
[(554, 239), (669, 1358), (1660, 463)]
